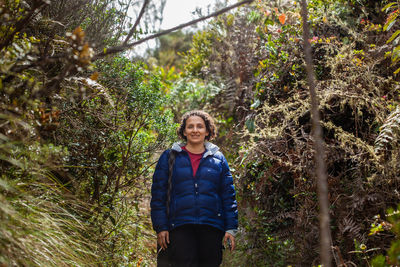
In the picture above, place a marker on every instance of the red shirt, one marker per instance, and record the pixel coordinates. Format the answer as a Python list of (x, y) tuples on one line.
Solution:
[(194, 159)]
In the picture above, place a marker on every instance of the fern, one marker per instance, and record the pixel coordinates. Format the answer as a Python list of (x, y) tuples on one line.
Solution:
[(348, 226), (389, 136)]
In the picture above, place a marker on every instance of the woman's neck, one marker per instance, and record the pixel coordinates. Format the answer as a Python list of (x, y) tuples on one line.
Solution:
[(195, 148)]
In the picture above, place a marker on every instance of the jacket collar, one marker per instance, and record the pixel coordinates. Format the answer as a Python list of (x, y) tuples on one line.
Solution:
[(211, 149)]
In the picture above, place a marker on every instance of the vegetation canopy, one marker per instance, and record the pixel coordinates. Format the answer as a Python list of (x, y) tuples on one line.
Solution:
[(82, 124)]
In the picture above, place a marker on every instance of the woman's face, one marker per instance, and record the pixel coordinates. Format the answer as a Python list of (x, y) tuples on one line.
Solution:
[(195, 130)]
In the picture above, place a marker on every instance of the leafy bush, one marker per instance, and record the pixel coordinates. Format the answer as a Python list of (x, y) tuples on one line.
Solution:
[(77, 140), (258, 54)]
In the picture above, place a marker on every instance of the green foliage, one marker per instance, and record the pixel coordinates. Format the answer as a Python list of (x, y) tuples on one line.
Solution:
[(75, 152), (391, 20), (257, 53), (170, 49), (115, 135), (262, 245), (393, 253), (38, 215), (40, 229), (105, 22), (275, 79), (282, 131), (111, 136), (189, 94), (196, 57)]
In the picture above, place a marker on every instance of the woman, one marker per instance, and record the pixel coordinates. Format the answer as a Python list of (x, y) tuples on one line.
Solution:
[(202, 207)]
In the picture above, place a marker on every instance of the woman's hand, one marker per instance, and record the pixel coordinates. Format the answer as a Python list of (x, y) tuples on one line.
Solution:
[(231, 239), (163, 239)]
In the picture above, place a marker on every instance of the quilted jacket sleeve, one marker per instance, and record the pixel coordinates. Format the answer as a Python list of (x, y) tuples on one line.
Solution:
[(159, 194), (228, 194)]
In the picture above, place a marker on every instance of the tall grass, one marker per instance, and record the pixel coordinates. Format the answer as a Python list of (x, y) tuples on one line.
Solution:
[(42, 224), (39, 229)]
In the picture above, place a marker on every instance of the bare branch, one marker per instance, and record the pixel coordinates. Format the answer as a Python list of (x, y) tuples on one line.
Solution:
[(325, 233), (123, 47), (146, 2)]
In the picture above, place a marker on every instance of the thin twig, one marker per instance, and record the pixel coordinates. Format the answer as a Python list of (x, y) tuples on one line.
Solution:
[(146, 2), (123, 47)]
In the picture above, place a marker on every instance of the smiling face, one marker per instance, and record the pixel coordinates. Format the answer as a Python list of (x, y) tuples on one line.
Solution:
[(195, 130)]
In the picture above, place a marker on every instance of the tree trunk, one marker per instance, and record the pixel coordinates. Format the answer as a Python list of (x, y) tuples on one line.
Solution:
[(321, 174)]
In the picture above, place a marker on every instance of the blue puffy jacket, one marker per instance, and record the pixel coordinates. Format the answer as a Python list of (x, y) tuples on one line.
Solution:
[(208, 198)]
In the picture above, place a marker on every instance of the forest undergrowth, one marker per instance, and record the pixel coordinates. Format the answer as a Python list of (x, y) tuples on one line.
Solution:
[(266, 99), (80, 131)]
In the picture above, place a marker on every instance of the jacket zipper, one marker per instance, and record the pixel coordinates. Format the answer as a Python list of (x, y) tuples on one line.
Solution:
[(196, 188)]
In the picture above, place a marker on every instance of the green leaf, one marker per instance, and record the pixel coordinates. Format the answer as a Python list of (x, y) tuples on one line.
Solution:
[(136, 205), (250, 125), (390, 23), (388, 27), (112, 220), (394, 35), (254, 17), (395, 54), (385, 8), (379, 261)]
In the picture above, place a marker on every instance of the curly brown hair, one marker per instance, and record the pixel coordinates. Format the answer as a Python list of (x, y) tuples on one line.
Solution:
[(208, 120)]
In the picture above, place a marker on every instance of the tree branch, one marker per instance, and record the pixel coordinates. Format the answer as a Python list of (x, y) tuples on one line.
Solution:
[(146, 2), (322, 185), (126, 46)]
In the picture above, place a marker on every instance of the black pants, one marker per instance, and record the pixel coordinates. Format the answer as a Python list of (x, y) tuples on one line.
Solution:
[(194, 245)]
